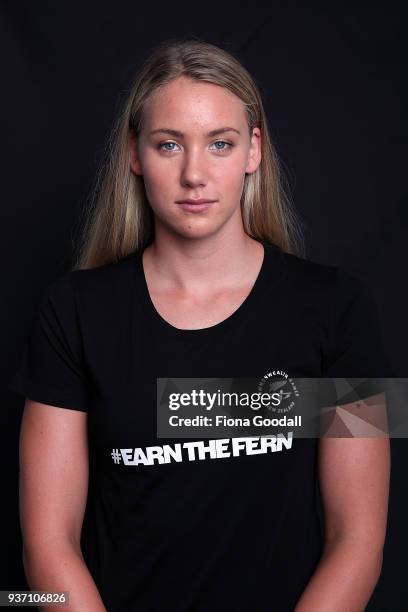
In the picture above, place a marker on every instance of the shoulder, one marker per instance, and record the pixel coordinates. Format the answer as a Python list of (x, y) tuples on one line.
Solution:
[(93, 283), (308, 277)]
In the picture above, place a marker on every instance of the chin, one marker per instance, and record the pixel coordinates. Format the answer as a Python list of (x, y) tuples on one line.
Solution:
[(192, 229)]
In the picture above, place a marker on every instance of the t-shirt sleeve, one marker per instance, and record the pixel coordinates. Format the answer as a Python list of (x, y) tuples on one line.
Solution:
[(51, 369), (355, 347)]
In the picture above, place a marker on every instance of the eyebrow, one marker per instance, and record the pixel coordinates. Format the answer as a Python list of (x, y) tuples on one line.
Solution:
[(179, 134)]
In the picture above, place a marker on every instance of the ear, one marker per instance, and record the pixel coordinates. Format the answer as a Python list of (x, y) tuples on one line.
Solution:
[(255, 155), (133, 155)]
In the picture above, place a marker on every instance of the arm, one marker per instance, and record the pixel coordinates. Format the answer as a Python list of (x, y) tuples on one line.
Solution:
[(53, 492), (354, 483)]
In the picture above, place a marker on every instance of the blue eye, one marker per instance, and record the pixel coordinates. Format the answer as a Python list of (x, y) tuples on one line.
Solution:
[(166, 143), (222, 142)]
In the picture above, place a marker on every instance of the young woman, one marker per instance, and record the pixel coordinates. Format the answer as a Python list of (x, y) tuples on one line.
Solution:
[(191, 267)]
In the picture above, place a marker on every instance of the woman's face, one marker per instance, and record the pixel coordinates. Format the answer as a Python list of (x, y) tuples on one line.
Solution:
[(179, 158)]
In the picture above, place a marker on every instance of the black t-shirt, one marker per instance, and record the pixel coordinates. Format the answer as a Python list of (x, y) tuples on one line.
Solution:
[(231, 533)]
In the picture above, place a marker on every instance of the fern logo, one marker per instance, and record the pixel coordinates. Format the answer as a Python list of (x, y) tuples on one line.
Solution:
[(279, 382)]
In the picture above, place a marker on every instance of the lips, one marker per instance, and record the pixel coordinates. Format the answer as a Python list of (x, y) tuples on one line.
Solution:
[(196, 206), (195, 201)]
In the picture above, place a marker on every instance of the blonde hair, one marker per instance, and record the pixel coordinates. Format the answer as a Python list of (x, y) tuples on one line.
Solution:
[(119, 220)]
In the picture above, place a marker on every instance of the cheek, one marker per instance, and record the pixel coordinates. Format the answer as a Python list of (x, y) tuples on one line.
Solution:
[(229, 178), (158, 181), (155, 173), (231, 169)]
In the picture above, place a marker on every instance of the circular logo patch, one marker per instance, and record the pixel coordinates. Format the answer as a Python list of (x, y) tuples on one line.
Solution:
[(283, 387)]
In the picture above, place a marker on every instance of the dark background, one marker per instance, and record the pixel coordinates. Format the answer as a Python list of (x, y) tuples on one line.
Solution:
[(332, 77)]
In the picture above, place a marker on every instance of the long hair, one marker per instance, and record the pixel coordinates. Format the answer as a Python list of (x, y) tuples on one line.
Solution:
[(118, 219)]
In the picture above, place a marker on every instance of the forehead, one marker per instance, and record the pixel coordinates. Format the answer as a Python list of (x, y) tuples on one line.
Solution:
[(187, 104)]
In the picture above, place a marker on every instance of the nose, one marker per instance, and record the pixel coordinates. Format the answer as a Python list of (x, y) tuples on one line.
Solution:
[(193, 171)]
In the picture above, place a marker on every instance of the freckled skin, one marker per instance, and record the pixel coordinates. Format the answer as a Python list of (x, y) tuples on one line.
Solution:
[(195, 166)]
